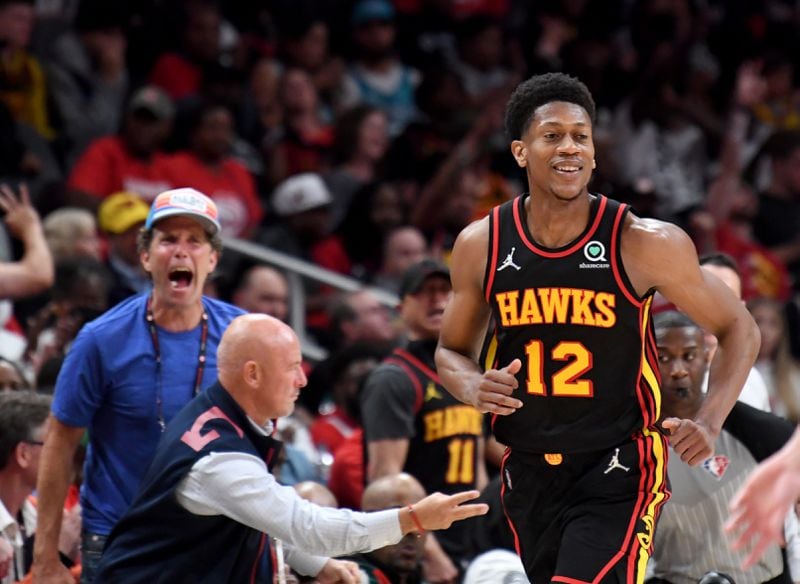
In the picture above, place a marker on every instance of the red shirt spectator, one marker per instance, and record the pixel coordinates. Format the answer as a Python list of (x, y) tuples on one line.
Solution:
[(228, 183), (329, 431), (347, 473), (108, 167), (176, 75)]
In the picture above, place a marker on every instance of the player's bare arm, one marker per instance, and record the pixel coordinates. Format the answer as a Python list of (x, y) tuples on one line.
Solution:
[(661, 256), (463, 329), (386, 457)]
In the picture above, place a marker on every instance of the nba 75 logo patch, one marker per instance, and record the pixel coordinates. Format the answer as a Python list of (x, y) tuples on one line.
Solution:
[(716, 465)]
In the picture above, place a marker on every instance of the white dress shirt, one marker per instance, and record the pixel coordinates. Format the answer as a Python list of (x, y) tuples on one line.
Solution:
[(239, 486), (10, 531)]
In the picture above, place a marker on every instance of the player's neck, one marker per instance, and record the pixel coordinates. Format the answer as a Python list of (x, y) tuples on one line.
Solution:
[(555, 222)]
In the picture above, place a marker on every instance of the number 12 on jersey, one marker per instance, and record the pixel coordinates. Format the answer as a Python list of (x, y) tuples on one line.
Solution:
[(566, 382)]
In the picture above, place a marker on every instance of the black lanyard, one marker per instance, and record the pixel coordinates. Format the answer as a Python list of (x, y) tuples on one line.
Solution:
[(201, 360)]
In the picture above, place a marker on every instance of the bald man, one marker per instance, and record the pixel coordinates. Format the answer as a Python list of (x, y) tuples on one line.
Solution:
[(208, 500), (400, 563)]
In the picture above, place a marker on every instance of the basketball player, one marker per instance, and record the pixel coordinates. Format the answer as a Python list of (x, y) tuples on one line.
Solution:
[(567, 278)]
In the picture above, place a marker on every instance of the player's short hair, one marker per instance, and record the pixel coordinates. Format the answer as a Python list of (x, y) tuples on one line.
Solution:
[(540, 90)]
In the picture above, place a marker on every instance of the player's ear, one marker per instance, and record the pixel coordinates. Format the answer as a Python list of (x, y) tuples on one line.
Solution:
[(594, 163), (520, 153)]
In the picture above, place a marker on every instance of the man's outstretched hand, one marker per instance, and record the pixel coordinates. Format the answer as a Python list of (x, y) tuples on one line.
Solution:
[(438, 511)]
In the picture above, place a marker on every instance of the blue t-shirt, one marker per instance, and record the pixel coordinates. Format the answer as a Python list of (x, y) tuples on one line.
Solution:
[(108, 384)]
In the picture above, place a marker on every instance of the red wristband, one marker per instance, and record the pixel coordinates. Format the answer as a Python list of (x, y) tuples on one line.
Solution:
[(415, 519)]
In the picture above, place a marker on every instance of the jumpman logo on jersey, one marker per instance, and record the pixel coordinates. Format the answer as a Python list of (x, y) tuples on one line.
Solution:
[(509, 262), (614, 463), (431, 392)]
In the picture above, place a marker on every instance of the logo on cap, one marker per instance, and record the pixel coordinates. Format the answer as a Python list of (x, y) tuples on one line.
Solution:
[(184, 201)]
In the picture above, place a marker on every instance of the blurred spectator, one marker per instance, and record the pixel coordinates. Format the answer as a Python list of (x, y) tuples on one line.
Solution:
[(22, 83), (80, 294), (780, 370), (777, 224), (179, 73), (302, 203), (33, 272), (377, 77), (733, 206), (400, 563), (362, 139), (266, 128), (498, 565), (402, 247), (72, 232), (265, 290), (355, 317), (780, 107), (405, 409), (12, 378), (129, 161), (443, 120), (305, 44), (316, 493), (342, 417), (306, 137), (464, 187), (375, 210), (480, 58), (121, 215), (207, 166), (656, 142), (754, 391), (87, 76), (23, 429)]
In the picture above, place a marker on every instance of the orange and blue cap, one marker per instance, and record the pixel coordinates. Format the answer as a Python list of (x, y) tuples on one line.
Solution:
[(184, 202)]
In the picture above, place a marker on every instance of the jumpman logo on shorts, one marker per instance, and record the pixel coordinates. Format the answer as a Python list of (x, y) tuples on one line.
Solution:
[(509, 262), (614, 463)]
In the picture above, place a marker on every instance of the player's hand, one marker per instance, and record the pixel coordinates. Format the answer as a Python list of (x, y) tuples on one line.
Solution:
[(691, 440), (496, 388), (339, 572)]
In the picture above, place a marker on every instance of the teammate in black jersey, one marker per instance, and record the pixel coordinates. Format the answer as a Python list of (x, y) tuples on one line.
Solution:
[(566, 278)]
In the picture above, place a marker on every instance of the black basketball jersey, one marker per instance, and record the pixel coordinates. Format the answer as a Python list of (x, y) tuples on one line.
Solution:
[(443, 454), (589, 378)]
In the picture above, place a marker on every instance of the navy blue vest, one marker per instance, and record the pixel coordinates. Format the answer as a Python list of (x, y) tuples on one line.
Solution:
[(158, 540)]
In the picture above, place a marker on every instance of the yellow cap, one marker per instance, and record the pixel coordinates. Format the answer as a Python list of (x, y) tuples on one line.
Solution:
[(121, 211)]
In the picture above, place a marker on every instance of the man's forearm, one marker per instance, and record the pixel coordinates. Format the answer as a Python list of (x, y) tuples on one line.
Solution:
[(55, 475)]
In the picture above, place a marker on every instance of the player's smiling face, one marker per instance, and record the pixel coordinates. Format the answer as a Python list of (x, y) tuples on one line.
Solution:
[(557, 150)]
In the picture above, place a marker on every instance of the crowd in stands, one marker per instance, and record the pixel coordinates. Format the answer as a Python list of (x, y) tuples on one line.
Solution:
[(362, 136)]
